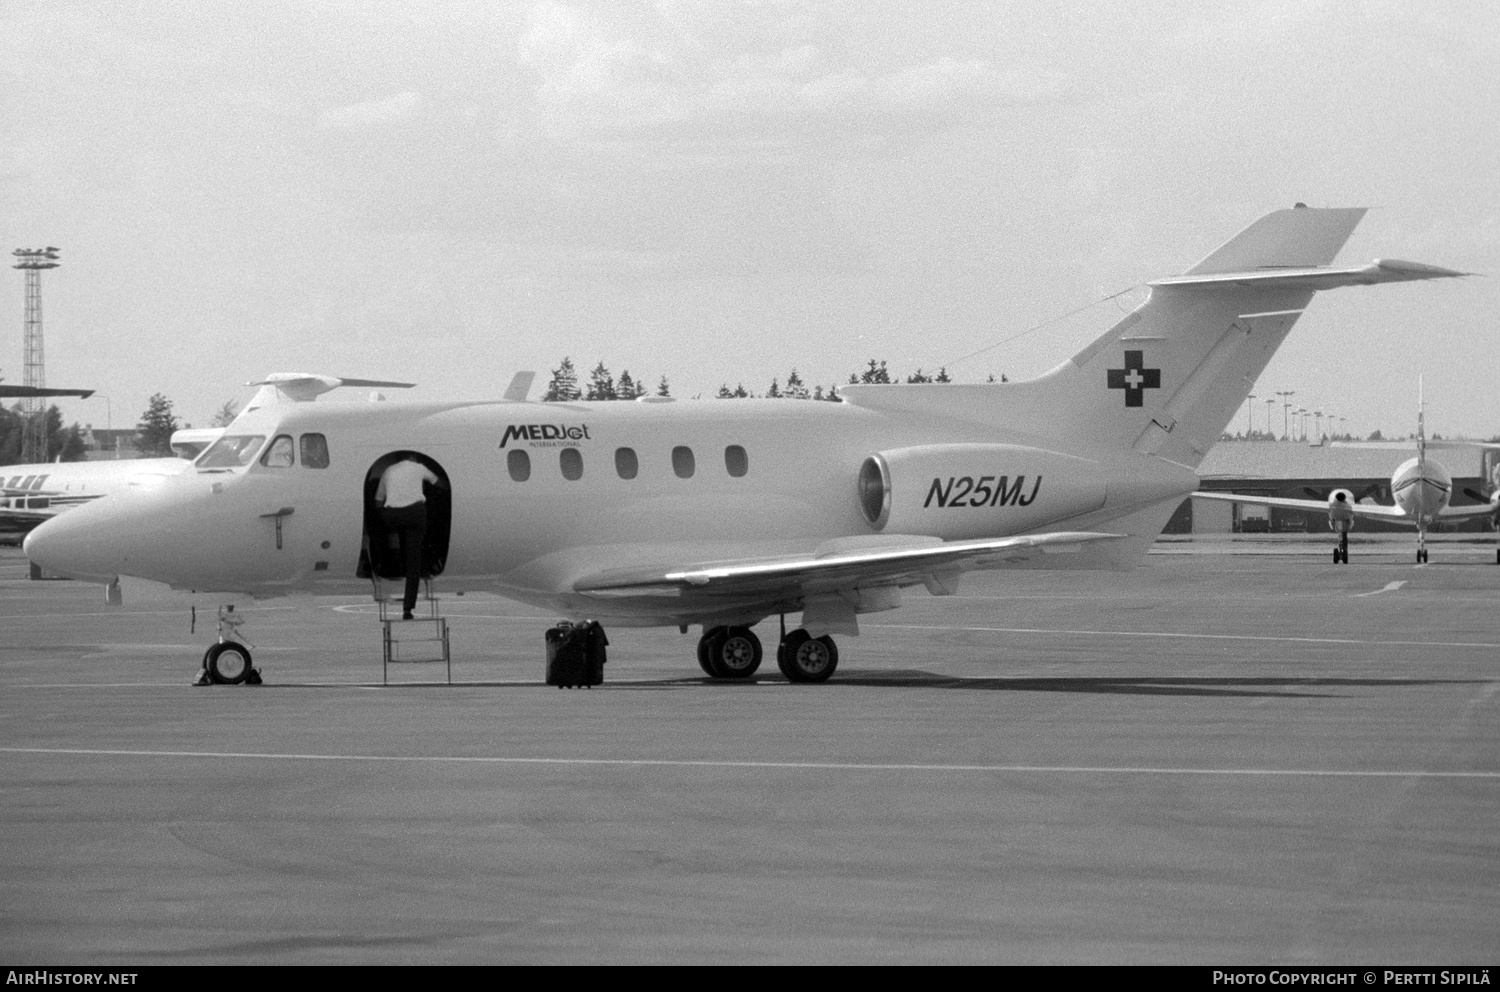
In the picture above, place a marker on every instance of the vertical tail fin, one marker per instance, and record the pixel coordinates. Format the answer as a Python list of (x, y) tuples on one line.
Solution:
[(1421, 430), (1169, 378)]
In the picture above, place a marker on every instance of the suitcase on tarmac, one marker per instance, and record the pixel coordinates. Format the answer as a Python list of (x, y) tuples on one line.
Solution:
[(575, 654)]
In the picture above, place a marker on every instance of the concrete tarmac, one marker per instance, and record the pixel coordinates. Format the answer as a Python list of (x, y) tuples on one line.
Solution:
[(1217, 759)]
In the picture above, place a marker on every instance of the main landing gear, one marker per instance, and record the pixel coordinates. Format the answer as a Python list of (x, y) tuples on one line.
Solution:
[(735, 653), (227, 662)]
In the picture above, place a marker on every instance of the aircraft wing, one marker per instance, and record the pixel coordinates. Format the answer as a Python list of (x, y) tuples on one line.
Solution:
[(1472, 510), (1372, 511), (906, 565)]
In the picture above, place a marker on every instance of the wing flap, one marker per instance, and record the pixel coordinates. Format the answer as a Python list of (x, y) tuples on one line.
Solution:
[(909, 565)]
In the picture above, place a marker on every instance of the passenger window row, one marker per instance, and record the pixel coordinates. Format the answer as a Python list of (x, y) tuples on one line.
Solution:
[(627, 464)]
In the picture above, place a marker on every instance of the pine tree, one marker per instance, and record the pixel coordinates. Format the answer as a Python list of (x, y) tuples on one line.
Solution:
[(662, 389), (774, 393), (154, 432), (833, 395), (873, 374), (917, 376), (601, 384), (942, 375), (564, 385), (626, 388), (725, 393), (795, 388)]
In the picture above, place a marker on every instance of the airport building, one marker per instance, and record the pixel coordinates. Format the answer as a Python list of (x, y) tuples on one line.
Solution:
[(1312, 471)]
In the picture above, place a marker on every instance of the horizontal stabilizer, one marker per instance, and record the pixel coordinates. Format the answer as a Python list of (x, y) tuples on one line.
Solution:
[(1378, 271), (303, 387)]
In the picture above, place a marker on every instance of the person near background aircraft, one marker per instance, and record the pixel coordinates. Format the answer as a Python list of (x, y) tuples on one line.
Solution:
[(402, 497)]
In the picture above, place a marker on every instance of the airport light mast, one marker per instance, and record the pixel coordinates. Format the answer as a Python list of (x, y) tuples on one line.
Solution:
[(1249, 416), (1270, 405), (1286, 413), (34, 433)]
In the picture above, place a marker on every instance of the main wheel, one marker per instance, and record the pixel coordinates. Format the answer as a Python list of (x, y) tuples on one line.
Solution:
[(733, 653), (803, 658), (228, 663), (709, 633)]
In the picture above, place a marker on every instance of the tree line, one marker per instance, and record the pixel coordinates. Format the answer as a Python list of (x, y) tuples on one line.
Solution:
[(153, 434), (564, 385)]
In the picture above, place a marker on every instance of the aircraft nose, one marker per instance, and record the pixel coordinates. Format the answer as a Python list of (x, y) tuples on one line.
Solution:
[(71, 546)]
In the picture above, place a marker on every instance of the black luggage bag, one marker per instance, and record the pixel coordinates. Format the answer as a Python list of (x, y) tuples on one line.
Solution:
[(575, 654)]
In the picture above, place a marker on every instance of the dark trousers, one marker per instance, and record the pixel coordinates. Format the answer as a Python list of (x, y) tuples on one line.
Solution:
[(410, 525)]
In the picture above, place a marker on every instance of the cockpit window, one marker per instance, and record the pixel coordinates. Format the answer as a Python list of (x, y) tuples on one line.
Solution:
[(231, 451), (279, 454), (314, 451)]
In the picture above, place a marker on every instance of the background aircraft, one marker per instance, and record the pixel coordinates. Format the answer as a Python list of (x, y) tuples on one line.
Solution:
[(660, 512), (31, 494), (1420, 487)]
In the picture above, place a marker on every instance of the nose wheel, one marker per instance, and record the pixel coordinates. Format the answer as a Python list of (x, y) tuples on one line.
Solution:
[(1341, 553), (228, 661)]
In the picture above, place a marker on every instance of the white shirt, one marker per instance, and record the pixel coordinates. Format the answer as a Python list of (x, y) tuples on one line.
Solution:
[(401, 484)]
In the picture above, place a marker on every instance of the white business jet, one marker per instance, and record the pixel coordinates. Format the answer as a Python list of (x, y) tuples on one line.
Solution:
[(32, 494), (660, 512), (1420, 489)]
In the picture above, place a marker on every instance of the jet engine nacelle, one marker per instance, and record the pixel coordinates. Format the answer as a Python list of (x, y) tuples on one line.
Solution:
[(1340, 510), (957, 491)]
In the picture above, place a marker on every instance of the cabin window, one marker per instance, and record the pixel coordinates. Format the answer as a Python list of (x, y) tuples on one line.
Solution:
[(314, 451), (278, 453), (519, 464), (26, 482), (736, 461), (626, 463), (682, 461), (38, 483), (231, 451), (571, 460)]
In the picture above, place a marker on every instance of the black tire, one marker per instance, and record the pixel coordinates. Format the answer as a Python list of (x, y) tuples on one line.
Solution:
[(709, 633), (228, 663), (734, 653), (803, 658)]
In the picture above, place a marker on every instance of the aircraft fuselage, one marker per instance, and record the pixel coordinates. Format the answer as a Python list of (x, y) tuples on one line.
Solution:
[(545, 493)]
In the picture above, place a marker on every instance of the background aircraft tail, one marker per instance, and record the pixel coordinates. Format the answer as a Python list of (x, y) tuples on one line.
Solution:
[(1168, 378)]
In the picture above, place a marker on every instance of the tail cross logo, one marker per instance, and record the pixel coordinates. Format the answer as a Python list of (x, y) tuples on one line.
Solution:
[(1135, 378)]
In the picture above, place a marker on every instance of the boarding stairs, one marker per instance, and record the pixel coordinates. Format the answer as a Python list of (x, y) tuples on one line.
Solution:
[(422, 640)]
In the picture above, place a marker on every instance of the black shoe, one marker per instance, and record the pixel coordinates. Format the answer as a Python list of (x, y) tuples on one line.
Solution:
[(406, 615)]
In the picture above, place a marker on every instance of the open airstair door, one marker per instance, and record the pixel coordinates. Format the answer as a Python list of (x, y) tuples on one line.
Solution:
[(380, 555)]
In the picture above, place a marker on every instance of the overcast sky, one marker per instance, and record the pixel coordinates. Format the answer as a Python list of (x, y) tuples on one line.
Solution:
[(448, 192)]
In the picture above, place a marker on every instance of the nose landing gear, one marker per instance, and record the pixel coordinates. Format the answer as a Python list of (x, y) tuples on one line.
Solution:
[(227, 662)]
